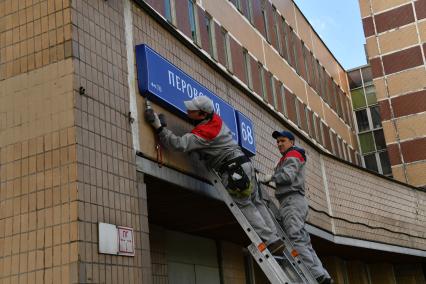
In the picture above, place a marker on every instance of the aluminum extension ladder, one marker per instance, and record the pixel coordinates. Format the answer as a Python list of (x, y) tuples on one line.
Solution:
[(287, 269)]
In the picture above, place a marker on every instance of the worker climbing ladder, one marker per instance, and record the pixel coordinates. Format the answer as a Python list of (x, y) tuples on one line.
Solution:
[(279, 270)]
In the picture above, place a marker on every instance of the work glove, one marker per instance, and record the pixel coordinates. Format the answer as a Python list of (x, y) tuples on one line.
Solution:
[(152, 118), (265, 179)]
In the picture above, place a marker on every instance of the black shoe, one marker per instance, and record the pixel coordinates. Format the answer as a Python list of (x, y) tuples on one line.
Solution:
[(277, 247), (324, 280)]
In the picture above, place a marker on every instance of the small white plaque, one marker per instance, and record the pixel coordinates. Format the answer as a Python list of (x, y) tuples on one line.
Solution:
[(108, 238), (126, 244)]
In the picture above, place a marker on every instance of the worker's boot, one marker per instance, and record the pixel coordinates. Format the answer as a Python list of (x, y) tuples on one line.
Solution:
[(324, 280), (277, 247)]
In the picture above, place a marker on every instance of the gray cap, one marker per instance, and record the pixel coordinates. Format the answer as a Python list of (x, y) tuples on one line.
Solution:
[(202, 103)]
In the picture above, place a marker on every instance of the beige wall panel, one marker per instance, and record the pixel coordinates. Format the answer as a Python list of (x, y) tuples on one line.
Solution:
[(381, 92), (325, 58), (234, 22), (398, 173), (364, 6), (372, 47), (315, 102), (407, 81), (412, 126), (36, 103), (416, 173), (335, 123), (344, 83), (380, 5), (422, 30), (286, 8), (282, 70), (304, 29), (398, 39), (389, 131)]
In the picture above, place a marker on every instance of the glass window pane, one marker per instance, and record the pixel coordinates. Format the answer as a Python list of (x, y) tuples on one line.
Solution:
[(379, 137), (354, 79), (362, 120), (370, 162), (367, 75), (384, 160), (168, 11), (370, 94), (358, 99), (375, 117), (367, 142)]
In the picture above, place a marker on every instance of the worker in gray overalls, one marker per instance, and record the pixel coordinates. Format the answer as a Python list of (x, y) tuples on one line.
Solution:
[(212, 140), (289, 178)]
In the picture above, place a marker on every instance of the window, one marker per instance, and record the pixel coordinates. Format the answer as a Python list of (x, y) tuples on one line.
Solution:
[(305, 61), (294, 50), (366, 142), (168, 10), (210, 32), (370, 94), (384, 161), (362, 120), (308, 122), (370, 162), (237, 3), (367, 75), (277, 31), (274, 94), (379, 138), (285, 42), (247, 69), (358, 99), (283, 94), (314, 127), (262, 81), (227, 50), (192, 22), (298, 110), (265, 23), (249, 12), (375, 117)]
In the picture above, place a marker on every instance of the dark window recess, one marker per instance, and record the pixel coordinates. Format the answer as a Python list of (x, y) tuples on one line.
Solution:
[(274, 92), (285, 41), (277, 31), (318, 130), (167, 10), (268, 88), (192, 24), (355, 79), (379, 139), (305, 63), (265, 25), (284, 94), (262, 82), (248, 9), (375, 117), (362, 120), (294, 40), (367, 75), (247, 69), (291, 109), (384, 160), (279, 96), (257, 87), (370, 162)]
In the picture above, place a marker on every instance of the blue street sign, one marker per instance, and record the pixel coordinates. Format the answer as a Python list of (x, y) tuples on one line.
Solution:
[(246, 133), (164, 83)]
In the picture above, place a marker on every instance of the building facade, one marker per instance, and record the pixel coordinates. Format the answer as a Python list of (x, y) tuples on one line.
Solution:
[(395, 35), (75, 150), (368, 121)]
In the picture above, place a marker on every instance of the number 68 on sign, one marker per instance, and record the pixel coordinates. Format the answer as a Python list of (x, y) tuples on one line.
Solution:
[(246, 133)]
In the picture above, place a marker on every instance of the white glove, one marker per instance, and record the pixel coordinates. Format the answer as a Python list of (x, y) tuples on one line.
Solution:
[(156, 123), (265, 179)]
